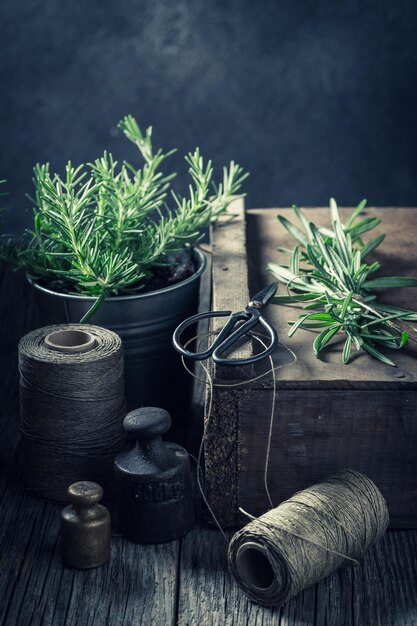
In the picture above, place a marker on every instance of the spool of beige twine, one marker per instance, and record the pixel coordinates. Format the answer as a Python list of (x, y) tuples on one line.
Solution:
[(307, 537)]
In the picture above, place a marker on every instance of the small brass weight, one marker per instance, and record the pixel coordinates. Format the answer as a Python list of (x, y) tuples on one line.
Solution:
[(85, 527)]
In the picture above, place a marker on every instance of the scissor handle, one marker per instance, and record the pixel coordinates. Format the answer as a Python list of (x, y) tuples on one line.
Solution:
[(242, 330), (224, 340), (199, 356)]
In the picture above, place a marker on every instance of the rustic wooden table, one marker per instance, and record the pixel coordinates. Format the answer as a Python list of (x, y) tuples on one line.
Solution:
[(186, 582)]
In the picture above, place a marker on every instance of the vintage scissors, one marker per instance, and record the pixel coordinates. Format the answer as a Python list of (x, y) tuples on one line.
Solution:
[(231, 331)]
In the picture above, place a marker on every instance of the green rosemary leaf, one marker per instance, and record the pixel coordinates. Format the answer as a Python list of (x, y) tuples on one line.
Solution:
[(404, 338), (323, 338), (323, 280), (295, 261), (356, 265), (342, 244), (355, 213), (391, 282), (357, 340), (346, 305), (296, 325), (363, 227), (321, 244), (379, 336), (303, 220), (302, 297), (286, 276), (385, 319), (341, 270), (405, 314), (312, 306), (371, 245), (324, 318), (347, 348), (334, 213), (373, 267), (315, 261), (378, 355), (362, 272), (313, 325), (293, 230), (321, 316), (93, 308), (326, 232)]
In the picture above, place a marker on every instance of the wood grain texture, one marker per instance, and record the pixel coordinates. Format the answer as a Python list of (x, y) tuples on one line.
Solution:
[(381, 590), (220, 454), (138, 586), (317, 434), (230, 290)]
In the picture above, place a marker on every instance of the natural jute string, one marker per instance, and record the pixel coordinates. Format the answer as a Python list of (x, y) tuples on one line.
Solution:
[(208, 380), (307, 537), (72, 409)]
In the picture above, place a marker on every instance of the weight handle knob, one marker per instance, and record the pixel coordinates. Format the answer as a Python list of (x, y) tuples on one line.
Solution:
[(85, 494), (147, 423)]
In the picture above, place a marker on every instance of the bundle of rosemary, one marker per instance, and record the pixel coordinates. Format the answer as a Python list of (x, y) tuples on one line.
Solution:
[(327, 270), (104, 228)]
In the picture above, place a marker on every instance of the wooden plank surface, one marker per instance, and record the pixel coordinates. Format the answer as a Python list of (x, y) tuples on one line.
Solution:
[(230, 293), (230, 288), (317, 434), (398, 256), (381, 590), (138, 586)]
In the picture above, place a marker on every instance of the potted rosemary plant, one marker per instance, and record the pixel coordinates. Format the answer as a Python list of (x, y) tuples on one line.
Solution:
[(105, 248)]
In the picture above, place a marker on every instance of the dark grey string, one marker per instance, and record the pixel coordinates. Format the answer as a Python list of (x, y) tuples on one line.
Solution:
[(312, 534), (72, 409)]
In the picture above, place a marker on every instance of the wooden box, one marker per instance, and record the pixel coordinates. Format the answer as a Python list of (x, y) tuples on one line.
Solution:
[(328, 416)]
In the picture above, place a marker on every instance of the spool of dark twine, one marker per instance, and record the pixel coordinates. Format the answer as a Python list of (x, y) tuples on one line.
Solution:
[(72, 407)]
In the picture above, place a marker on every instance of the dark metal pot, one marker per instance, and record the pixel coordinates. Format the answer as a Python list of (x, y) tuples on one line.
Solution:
[(154, 374)]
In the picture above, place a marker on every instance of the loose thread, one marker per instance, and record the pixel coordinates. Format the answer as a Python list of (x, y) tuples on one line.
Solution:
[(318, 545), (209, 382)]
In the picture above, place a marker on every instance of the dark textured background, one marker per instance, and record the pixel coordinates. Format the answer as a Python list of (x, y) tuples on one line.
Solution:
[(314, 97)]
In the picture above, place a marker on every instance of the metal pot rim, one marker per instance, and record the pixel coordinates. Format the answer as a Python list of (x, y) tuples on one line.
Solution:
[(74, 296)]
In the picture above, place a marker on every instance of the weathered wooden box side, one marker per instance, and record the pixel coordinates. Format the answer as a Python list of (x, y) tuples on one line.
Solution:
[(328, 417)]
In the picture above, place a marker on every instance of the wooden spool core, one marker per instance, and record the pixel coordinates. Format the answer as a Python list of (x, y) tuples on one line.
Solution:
[(70, 341), (254, 566)]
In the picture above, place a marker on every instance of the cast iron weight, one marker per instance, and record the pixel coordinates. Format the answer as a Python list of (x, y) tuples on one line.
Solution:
[(85, 527), (153, 483)]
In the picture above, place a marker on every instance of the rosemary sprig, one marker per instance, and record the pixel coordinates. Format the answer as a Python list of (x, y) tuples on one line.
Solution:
[(328, 271), (103, 227)]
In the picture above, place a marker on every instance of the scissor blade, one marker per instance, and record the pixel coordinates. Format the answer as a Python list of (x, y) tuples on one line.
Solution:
[(265, 294)]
